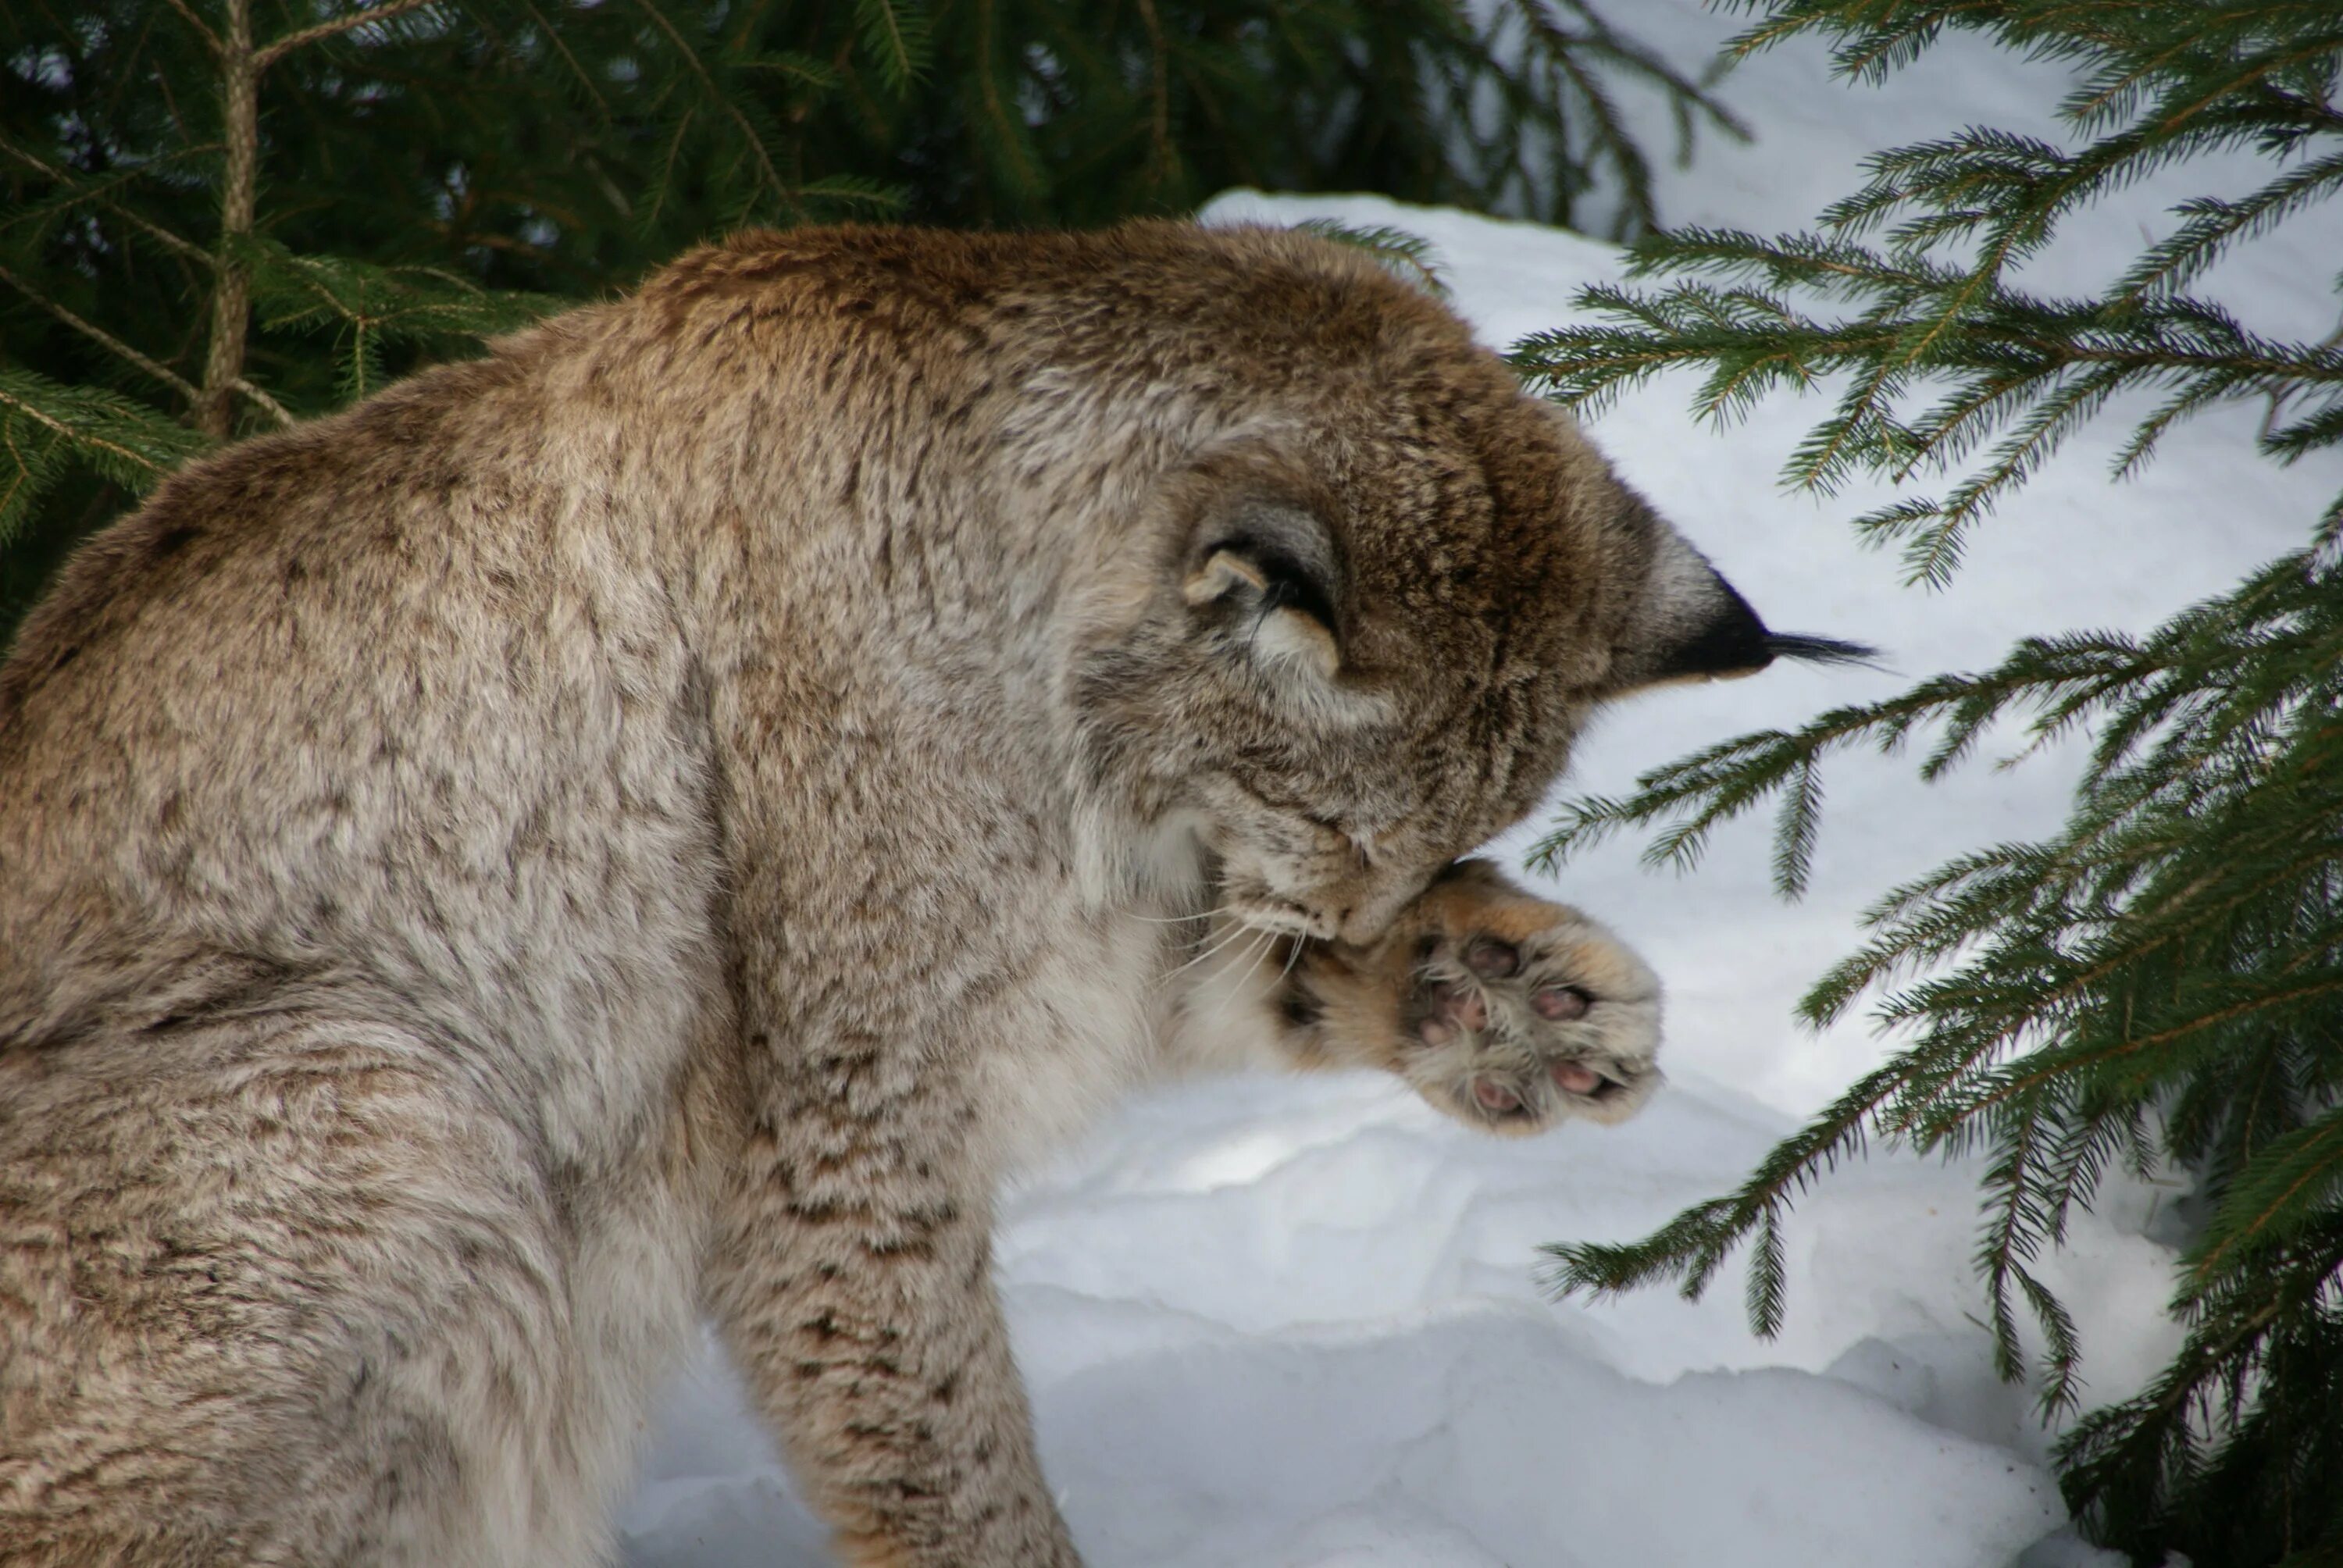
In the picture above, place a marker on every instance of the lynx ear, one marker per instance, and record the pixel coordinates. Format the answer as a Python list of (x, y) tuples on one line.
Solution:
[(1266, 573), (1689, 623)]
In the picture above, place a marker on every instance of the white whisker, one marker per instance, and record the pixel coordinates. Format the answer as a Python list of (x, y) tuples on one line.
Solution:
[(1253, 959), (1178, 919), (1217, 945)]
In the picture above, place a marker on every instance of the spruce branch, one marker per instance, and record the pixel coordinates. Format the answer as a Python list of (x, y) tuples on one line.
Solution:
[(368, 306), (896, 34), (104, 339), (2296, 1181), (201, 29), (2161, 980), (365, 17), (94, 192), (262, 400), (752, 140), (46, 426), (1405, 255)]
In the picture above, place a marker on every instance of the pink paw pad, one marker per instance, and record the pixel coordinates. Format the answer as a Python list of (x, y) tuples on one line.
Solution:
[(1573, 1079), (1495, 1097), (1455, 1009), (1560, 1003)]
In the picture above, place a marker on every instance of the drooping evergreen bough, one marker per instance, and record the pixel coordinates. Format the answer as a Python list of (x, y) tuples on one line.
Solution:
[(2162, 980), (219, 214)]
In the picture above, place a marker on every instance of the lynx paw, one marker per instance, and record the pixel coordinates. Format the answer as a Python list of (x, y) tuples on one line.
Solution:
[(1506, 1011), (1516, 1028)]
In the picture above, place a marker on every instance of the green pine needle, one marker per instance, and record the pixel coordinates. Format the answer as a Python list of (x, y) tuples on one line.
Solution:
[(1407, 256), (47, 429)]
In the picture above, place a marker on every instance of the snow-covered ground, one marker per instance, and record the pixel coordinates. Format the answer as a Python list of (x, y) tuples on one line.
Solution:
[(1290, 1322)]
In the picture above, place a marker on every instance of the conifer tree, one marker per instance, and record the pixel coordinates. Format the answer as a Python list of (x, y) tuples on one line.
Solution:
[(217, 216), (2162, 978)]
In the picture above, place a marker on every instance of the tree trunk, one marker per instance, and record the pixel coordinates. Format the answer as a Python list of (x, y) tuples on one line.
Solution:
[(232, 291)]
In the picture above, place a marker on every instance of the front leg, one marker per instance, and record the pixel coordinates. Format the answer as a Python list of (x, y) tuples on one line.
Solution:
[(1506, 1011), (851, 1276)]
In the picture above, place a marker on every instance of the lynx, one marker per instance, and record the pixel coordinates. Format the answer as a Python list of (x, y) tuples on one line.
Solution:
[(657, 821)]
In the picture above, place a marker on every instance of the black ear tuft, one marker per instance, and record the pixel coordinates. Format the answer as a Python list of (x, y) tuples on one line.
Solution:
[(1687, 623), (1717, 635), (1820, 650), (1697, 625)]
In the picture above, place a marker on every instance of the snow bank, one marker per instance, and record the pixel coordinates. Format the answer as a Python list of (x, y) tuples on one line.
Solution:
[(1293, 1323), (1297, 1323)]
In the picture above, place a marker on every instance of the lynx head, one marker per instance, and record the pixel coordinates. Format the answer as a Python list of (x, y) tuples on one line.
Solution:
[(1375, 590)]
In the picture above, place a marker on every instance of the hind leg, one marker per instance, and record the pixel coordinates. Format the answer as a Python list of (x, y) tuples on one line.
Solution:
[(282, 1297)]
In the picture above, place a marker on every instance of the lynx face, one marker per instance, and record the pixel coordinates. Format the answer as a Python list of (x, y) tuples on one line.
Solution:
[(1355, 635)]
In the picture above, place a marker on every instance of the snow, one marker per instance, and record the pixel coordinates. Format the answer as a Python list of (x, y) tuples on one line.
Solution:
[(1298, 1322)]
